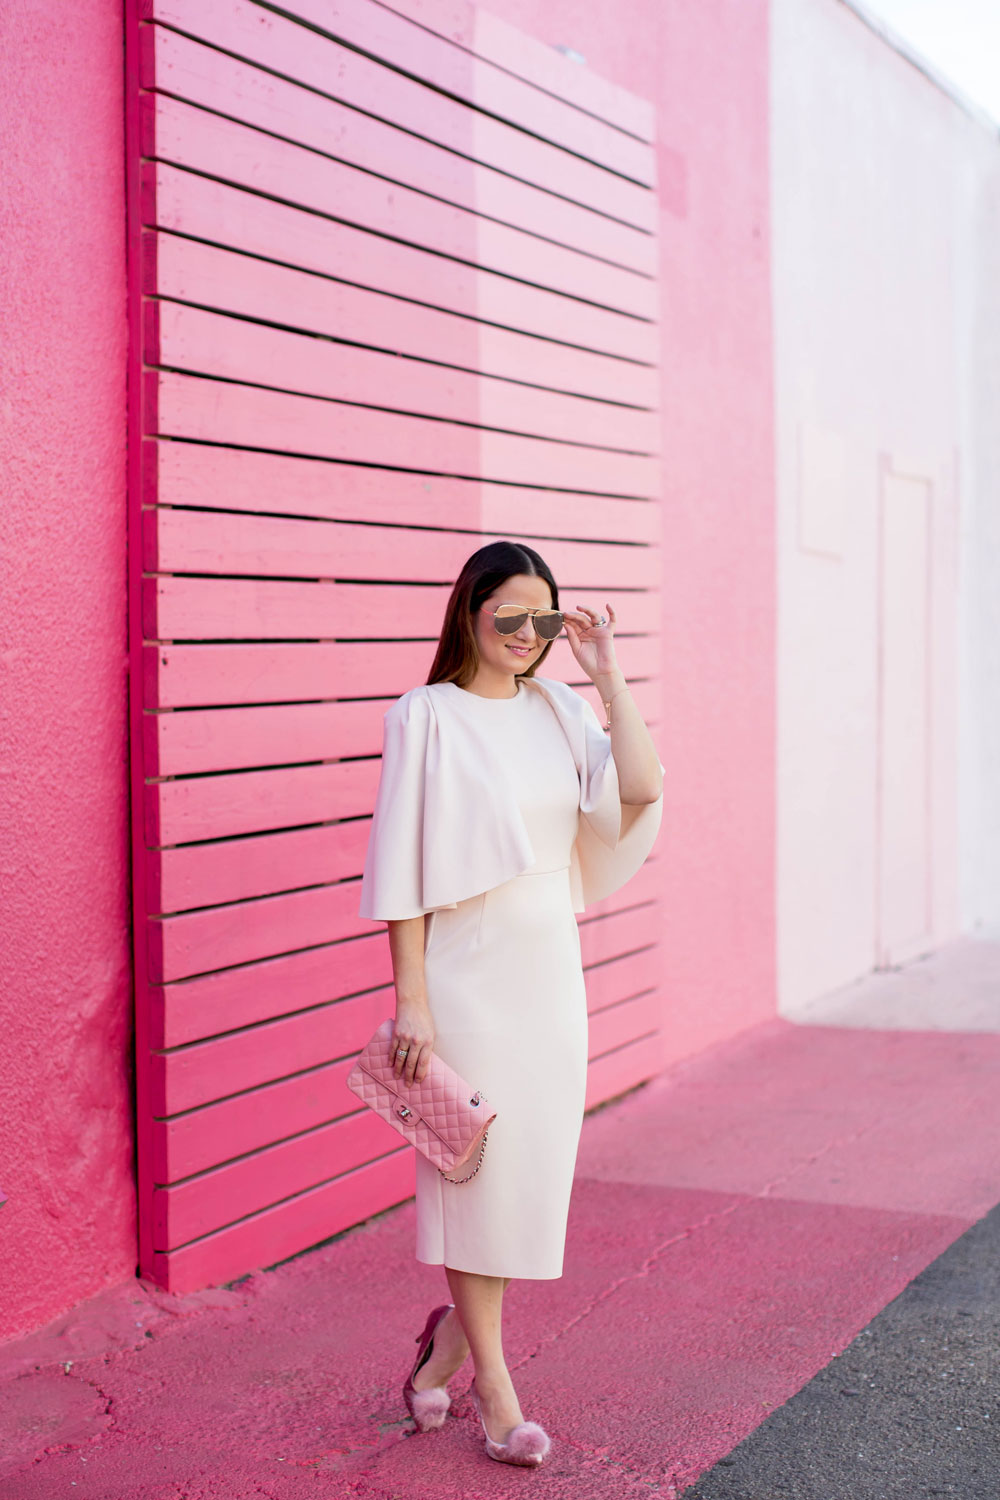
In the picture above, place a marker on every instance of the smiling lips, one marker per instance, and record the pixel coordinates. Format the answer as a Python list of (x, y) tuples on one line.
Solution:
[(521, 650)]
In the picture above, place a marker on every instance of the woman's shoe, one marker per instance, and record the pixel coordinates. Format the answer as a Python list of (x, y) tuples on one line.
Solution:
[(526, 1444), (427, 1408)]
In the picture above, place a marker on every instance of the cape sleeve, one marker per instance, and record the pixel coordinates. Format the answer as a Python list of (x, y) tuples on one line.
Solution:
[(443, 828), (391, 886), (613, 841)]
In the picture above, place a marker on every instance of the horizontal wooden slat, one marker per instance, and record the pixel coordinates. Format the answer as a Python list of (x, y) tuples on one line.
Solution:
[(214, 80), (228, 870), (264, 1238), (194, 1009), (198, 942), (228, 1064), (201, 1138), (192, 676), (225, 739), (619, 1024), (189, 406), (191, 541), (620, 978), (193, 474), (202, 142), (207, 609), (238, 870), (624, 932), (412, 49), (622, 1069), (226, 1194), (346, 74), (495, 40), (228, 348), (239, 932), (213, 277), (248, 802), (185, 203), (183, 744)]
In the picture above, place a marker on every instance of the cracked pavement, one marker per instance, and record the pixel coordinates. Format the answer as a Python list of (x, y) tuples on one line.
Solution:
[(735, 1224)]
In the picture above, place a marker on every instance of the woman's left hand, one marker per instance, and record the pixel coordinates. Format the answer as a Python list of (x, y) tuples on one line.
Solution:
[(592, 644)]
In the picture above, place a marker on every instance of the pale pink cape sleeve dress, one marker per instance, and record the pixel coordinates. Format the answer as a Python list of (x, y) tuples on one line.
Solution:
[(500, 819)]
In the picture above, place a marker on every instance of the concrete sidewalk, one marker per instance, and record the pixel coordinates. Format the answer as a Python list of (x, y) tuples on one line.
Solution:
[(734, 1225)]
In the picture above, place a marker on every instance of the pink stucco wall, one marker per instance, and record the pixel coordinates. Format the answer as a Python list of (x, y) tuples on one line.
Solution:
[(706, 69), (65, 1136)]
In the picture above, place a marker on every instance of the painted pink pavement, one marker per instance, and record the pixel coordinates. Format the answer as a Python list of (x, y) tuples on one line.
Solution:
[(734, 1224)]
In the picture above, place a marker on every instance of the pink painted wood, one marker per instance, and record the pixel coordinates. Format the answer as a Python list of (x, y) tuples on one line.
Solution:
[(184, 203), (181, 541), (363, 82), (211, 276), (183, 811), (215, 80), (225, 739), (404, 299), (196, 1140), (620, 1069), (373, 29), (179, 676), (227, 348), (189, 137), (220, 1066), (275, 1233), (189, 407), (191, 474), (203, 609), (489, 37), (228, 1193)]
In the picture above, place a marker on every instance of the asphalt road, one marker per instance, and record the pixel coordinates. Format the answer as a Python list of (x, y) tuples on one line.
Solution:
[(910, 1409)]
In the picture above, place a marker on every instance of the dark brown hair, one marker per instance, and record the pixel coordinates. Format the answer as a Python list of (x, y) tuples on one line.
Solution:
[(457, 657)]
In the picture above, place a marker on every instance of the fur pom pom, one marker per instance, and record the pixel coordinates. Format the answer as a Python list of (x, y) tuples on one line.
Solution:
[(428, 1408), (528, 1443)]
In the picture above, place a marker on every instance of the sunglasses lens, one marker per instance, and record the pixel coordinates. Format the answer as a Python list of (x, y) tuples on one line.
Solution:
[(548, 623), (508, 619)]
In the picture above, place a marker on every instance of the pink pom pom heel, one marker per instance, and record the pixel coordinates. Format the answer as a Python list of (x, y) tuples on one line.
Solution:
[(527, 1443), (427, 1408)]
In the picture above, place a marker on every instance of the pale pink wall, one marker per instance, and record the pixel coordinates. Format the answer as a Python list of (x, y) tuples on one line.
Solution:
[(65, 1137), (885, 336), (705, 67)]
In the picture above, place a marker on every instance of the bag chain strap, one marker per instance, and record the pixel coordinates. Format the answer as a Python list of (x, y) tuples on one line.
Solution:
[(457, 1181)]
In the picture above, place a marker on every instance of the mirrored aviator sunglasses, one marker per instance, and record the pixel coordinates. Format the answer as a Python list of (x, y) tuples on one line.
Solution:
[(508, 619)]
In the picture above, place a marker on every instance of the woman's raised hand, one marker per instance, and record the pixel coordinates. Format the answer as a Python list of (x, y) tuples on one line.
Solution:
[(414, 1031), (592, 644)]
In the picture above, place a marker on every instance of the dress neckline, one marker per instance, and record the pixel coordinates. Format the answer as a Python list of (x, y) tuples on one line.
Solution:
[(464, 693)]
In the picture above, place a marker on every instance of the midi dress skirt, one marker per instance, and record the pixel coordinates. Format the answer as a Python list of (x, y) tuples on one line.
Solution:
[(503, 967)]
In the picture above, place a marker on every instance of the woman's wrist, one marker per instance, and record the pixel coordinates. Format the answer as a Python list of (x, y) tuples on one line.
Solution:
[(611, 681), (412, 999)]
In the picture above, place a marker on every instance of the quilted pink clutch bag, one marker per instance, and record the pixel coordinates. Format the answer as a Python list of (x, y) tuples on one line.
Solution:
[(444, 1117)]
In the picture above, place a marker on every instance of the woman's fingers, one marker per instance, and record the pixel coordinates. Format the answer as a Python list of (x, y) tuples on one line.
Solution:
[(417, 1056), (423, 1063), (398, 1060), (590, 619)]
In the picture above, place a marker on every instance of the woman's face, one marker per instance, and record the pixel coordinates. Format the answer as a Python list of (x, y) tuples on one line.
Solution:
[(512, 654)]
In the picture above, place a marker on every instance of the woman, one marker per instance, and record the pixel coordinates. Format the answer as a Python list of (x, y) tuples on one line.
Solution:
[(503, 809)]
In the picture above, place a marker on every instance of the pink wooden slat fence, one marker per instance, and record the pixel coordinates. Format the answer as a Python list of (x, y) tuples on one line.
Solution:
[(392, 293)]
